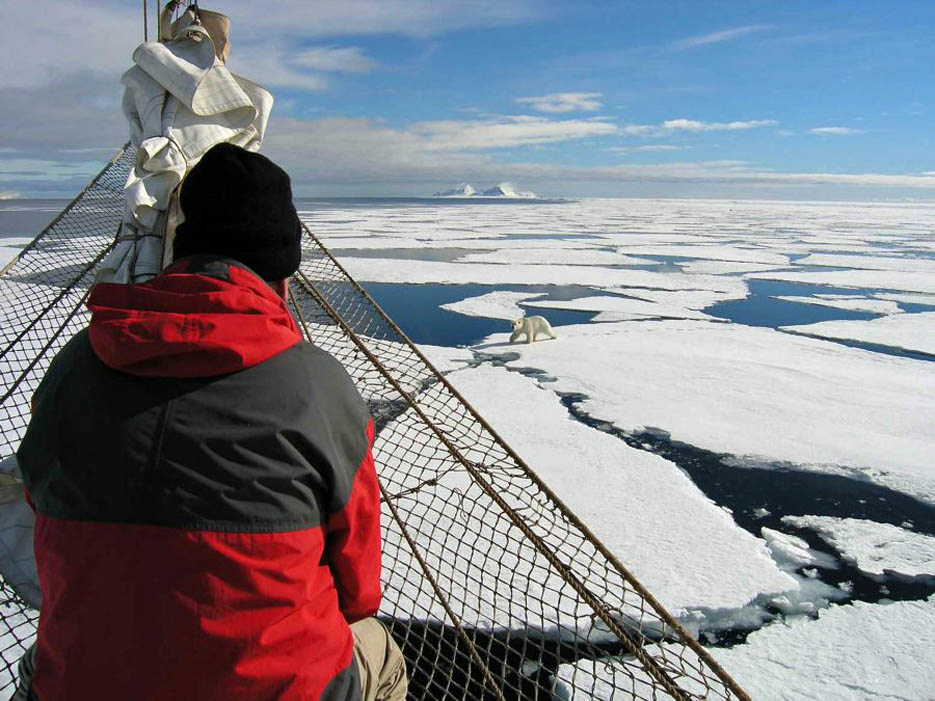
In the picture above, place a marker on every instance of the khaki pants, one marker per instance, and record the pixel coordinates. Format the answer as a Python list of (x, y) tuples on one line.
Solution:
[(380, 661)]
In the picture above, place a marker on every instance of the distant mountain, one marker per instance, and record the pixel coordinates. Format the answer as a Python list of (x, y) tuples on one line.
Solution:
[(463, 190), (507, 190), (502, 190)]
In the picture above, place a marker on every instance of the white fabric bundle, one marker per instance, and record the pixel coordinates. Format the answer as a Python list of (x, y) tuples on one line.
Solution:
[(180, 100)]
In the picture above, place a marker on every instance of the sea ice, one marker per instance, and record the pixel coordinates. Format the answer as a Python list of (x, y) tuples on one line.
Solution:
[(555, 255), (852, 652), (870, 279), (864, 262), (908, 298), (791, 552), (711, 252), (421, 271), (10, 246), (621, 308), (876, 548), (887, 655), (447, 359), (686, 550), (493, 305), (851, 302), (914, 332), (752, 392), (719, 267)]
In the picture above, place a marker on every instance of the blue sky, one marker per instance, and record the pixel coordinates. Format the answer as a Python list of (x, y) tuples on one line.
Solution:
[(787, 99)]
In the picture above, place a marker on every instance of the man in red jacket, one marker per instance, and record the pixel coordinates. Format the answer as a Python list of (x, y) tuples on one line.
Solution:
[(207, 509)]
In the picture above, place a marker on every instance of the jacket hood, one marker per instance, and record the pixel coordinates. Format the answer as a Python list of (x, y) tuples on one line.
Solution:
[(201, 317)]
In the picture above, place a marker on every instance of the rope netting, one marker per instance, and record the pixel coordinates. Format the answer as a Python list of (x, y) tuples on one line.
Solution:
[(492, 587)]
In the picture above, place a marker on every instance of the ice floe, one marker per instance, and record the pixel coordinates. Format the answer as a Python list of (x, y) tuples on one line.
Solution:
[(871, 279), (421, 271), (711, 252), (10, 246), (850, 302), (853, 652), (618, 308), (886, 656), (555, 255), (719, 267), (908, 298), (683, 547), (864, 262), (854, 303), (914, 332), (875, 548), (770, 396), (792, 552), (493, 305)]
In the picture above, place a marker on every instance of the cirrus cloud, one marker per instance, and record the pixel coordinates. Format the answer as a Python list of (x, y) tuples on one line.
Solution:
[(717, 37), (339, 59), (835, 131), (507, 132), (559, 102), (671, 126)]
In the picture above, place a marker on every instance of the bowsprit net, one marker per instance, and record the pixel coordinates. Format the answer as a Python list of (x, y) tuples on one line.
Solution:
[(492, 587)]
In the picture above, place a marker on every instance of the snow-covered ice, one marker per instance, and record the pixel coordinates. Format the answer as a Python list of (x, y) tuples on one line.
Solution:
[(915, 332), (851, 653), (751, 392), (618, 308), (711, 252), (493, 305), (529, 255), (876, 548), (908, 298), (10, 246), (922, 265), (854, 303), (718, 267), (684, 548), (872, 279), (791, 552), (422, 271)]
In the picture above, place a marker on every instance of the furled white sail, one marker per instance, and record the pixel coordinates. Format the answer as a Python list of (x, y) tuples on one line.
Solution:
[(180, 100)]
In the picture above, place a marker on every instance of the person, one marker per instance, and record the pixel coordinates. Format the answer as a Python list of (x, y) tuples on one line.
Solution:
[(207, 508)]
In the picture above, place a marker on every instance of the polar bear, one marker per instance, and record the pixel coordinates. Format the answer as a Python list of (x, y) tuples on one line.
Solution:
[(531, 326)]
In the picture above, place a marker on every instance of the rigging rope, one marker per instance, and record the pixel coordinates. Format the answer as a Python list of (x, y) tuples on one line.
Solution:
[(492, 587)]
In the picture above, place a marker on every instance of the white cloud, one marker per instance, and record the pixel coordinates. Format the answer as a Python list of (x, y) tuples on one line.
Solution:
[(717, 37), (671, 126), (694, 125), (929, 173), (835, 131), (647, 148), (273, 68), (374, 158), (340, 59), (408, 17), (47, 39), (564, 102), (506, 132)]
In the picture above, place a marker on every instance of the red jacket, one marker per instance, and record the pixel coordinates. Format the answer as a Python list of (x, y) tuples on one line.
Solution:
[(207, 505)]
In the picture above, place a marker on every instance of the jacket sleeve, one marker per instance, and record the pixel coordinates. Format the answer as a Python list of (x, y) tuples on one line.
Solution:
[(353, 542)]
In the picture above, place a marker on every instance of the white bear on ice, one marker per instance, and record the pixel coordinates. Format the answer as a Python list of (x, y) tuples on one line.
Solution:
[(531, 326)]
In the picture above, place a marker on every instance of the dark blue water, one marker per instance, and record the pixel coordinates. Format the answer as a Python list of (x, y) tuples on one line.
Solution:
[(761, 308), (416, 308)]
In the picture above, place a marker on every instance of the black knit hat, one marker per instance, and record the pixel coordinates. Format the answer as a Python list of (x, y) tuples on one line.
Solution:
[(239, 204)]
